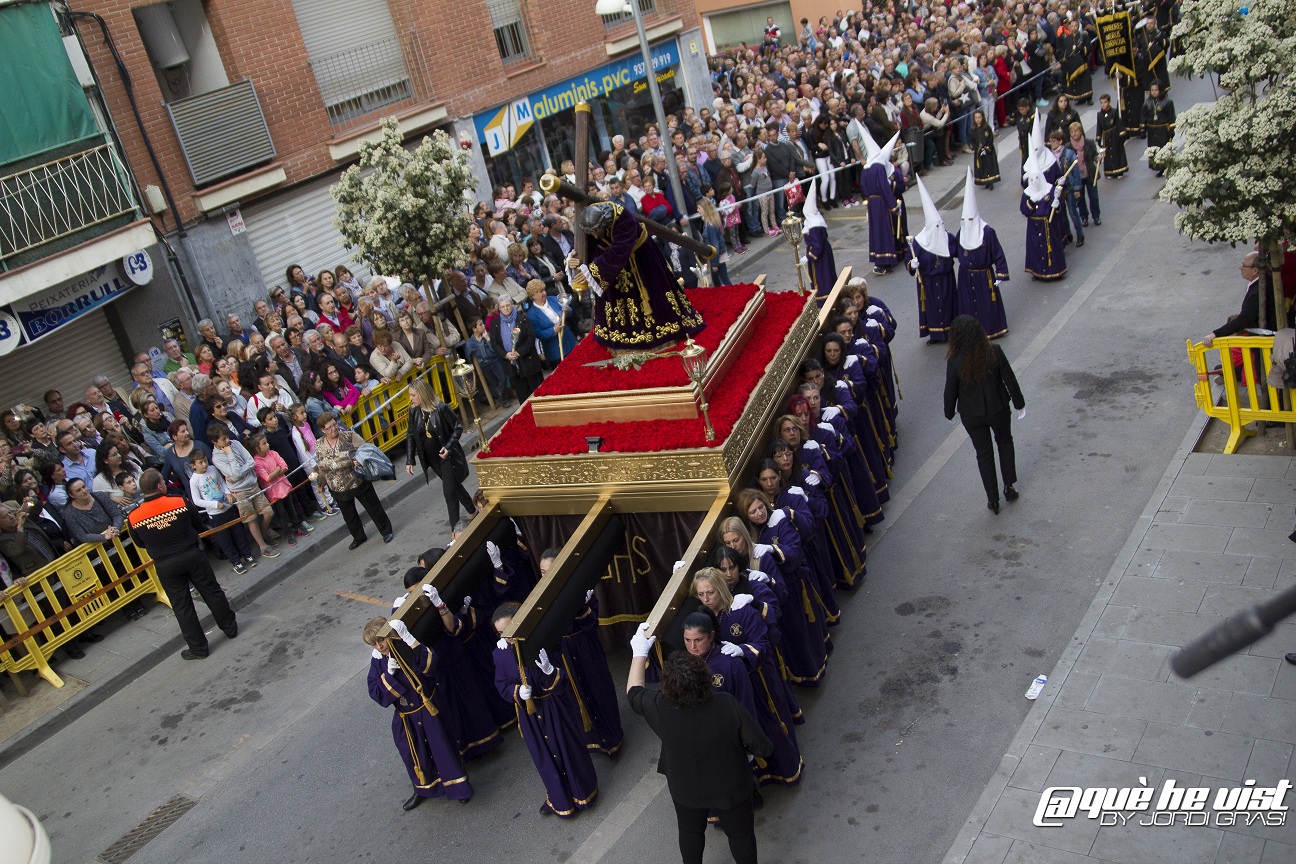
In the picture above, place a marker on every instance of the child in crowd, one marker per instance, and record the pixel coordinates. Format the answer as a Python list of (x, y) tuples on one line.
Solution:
[(366, 379), (713, 233), (478, 347), (129, 487), (732, 218), (304, 437), (272, 473), (209, 491)]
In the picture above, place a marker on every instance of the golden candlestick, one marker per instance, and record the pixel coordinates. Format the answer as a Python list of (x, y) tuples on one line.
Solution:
[(792, 229), (694, 358), (465, 378)]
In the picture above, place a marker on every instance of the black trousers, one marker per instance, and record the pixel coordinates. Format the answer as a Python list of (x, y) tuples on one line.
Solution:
[(979, 429), (176, 575), (738, 824), (234, 542), (453, 490), (367, 496), (525, 385)]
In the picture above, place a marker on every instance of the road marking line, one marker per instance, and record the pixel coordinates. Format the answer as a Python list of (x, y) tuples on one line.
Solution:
[(609, 831)]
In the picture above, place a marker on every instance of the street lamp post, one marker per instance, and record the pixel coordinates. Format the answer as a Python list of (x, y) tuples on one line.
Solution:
[(616, 7)]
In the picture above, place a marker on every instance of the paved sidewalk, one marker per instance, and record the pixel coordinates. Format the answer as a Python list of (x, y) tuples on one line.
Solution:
[(1212, 540)]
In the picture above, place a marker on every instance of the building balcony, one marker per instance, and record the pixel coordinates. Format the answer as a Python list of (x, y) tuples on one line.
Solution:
[(222, 133), (52, 207)]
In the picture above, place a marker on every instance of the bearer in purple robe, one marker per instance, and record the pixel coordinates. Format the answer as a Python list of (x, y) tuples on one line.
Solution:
[(638, 305), (819, 253), (1045, 228), (933, 265), (549, 722), (585, 663), (982, 266), (407, 679), (884, 211)]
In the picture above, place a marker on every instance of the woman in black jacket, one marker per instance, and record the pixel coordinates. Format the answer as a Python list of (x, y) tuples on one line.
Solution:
[(513, 338), (980, 384), (432, 438)]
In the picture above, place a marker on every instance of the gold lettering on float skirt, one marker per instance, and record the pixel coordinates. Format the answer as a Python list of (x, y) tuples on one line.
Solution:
[(630, 564)]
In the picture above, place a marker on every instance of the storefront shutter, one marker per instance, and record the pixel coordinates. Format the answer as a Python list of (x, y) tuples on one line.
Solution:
[(297, 228), (748, 25), (67, 361)]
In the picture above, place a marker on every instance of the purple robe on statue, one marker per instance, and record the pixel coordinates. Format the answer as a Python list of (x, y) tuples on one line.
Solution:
[(642, 306), (883, 215), (553, 733), (744, 628), (432, 761), (1044, 237), (937, 290), (978, 295), (596, 696), (823, 267)]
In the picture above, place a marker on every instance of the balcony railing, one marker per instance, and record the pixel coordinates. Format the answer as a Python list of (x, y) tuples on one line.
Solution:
[(65, 199), (222, 132), (388, 74), (647, 7)]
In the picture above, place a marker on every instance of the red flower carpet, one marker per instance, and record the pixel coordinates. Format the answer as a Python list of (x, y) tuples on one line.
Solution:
[(720, 307)]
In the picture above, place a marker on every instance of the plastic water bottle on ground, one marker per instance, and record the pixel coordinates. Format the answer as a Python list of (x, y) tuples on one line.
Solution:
[(1037, 687)]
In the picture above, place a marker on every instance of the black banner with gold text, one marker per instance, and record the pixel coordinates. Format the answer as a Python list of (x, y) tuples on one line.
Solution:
[(1116, 38)]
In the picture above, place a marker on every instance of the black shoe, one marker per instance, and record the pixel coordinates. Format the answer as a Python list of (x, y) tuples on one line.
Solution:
[(189, 655), (1010, 493), (1292, 536), (232, 632), (74, 651), (90, 637), (1097, 221), (412, 802), (355, 544), (546, 810), (1079, 242), (993, 505), (387, 538), (1084, 222), (1290, 658), (758, 800)]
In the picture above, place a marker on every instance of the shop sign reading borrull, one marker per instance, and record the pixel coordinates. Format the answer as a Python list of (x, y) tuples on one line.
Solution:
[(39, 315)]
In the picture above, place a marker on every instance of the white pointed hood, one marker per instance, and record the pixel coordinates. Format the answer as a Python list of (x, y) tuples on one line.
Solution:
[(1040, 154), (883, 156), (1036, 186), (971, 225), (813, 218), (871, 147), (933, 237)]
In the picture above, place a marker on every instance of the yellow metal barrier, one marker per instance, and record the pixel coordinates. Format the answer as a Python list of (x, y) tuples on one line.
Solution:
[(1256, 361), (67, 597), (381, 416)]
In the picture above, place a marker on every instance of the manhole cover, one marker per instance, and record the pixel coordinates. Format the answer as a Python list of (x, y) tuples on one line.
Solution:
[(157, 822)]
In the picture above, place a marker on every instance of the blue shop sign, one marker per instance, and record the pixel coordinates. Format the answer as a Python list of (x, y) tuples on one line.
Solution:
[(38, 316), (564, 96)]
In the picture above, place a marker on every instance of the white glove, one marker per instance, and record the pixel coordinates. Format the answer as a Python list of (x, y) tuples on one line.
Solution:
[(873, 310), (778, 515), (392, 666), (641, 642), (729, 649), (914, 264), (588, 595), (502, 643), (797, 491), (740, 600), (467, 604), (543, 664), (678, 565), (1021, 414), (398, 627), (524, 692), (830, 412), (1055, 204), (805, 261), (762, 549), (493, 552), (757, 576), (871, 323), (433, 596), (811, 479)]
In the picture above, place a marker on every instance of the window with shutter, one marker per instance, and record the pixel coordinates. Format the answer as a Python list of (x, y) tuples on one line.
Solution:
[(510, 30)]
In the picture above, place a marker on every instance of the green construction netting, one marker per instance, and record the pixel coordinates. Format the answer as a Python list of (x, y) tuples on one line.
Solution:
[(43, 106)]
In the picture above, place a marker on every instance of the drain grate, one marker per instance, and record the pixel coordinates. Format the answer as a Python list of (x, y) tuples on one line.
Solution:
[(157, 822)]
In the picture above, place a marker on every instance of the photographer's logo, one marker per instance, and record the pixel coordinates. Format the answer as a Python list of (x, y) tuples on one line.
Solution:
[(1247, 804)]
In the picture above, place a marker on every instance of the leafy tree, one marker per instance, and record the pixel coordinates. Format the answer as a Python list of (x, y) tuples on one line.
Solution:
[(406, 211), (1233, 178)]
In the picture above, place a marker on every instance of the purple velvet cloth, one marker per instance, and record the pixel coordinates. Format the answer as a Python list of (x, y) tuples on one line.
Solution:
[(823, 267), (1044, 238), (642, 306), (883, 213), (937, 291), (433, 762), (592, 685), (553, 734), (978, 296)]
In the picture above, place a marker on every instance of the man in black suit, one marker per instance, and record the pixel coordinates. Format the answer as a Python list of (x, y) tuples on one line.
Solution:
[(513, 338), (706, 737), (293, 362), (557, 242)]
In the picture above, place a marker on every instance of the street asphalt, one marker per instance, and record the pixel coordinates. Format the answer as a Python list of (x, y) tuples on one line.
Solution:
[(289, 760)]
